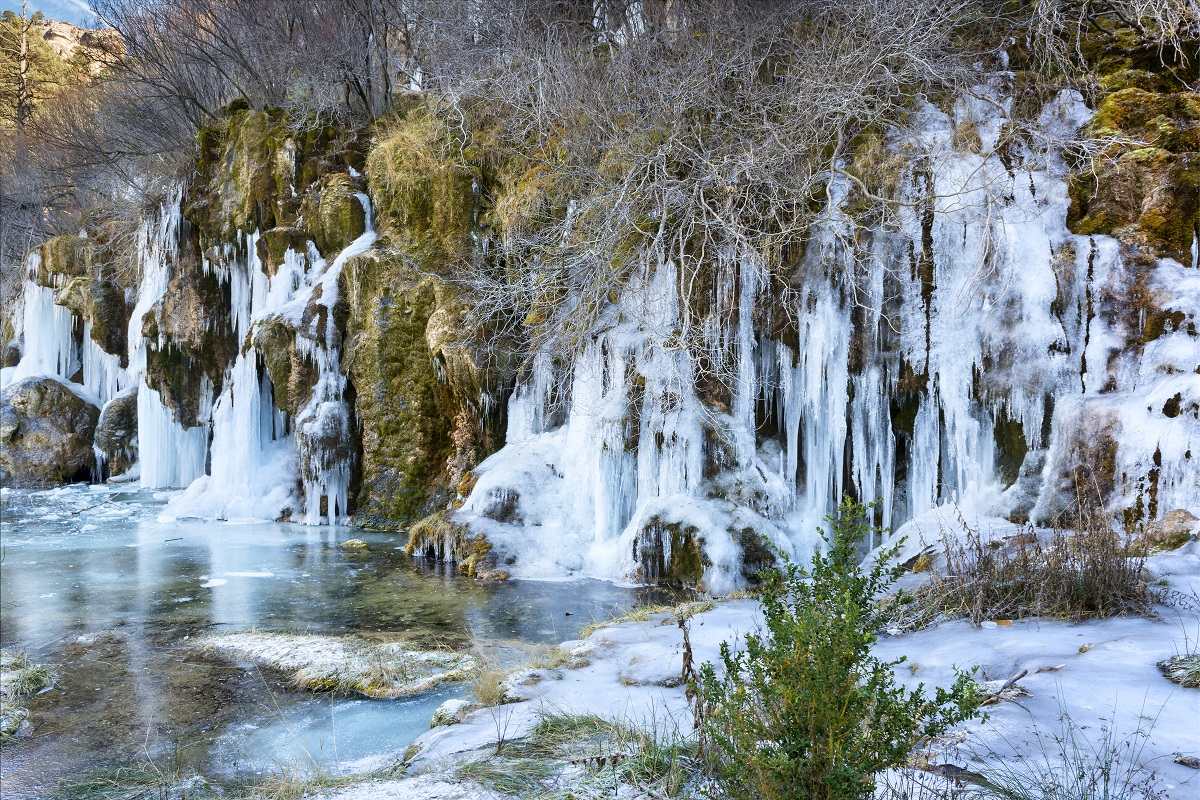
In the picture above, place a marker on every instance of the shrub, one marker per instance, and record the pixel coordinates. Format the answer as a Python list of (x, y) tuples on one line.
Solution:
[(1086, 574), (489, 687), (804, 709)]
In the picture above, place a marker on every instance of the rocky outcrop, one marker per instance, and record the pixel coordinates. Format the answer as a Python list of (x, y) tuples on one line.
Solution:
[(46, 429), (116, 432), (11, 354), (78, 268), (100, 303), (1145, 186), (430, 406), (190, 341), (405, 410), (292, 374)]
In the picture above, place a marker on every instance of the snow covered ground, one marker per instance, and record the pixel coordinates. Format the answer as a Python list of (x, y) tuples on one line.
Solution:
[(1097, 681)]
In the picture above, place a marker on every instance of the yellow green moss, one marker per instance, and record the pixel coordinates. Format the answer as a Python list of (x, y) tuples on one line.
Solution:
[(405, 411), (64, 257), (423, 193)]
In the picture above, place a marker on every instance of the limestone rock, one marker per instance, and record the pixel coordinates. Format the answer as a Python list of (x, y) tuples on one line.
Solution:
[(404, 409), (100, 303), (116, 431), (1171, 532), (292, 375), (46, 430), (333, 214), (190, 340)]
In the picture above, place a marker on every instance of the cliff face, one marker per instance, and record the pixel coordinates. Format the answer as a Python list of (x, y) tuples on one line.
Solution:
[(1023, 334)]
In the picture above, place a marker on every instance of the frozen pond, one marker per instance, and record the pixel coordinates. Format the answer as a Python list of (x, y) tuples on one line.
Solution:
[(96, 584)]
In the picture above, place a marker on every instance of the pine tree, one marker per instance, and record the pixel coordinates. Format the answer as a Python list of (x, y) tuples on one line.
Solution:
[(30, 71)]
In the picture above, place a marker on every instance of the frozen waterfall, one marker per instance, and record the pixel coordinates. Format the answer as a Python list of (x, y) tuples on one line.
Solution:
[(914, 353)]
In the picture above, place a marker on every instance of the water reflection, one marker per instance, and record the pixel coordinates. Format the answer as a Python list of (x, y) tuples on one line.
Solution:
[(93, 582)]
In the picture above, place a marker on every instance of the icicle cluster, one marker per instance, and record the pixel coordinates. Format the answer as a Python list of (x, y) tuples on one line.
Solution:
[(979, 310)]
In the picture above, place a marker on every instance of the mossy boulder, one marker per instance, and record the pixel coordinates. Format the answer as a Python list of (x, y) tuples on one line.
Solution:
[(1149, 197), (273, 245), (116, 431), (254, 172), (292, 375), (46, 434)]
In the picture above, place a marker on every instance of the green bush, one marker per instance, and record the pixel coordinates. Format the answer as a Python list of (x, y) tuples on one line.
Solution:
[(804, 710)]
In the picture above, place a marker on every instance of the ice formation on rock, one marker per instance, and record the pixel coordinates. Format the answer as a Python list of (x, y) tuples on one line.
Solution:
[(978, 313), (263, 464)]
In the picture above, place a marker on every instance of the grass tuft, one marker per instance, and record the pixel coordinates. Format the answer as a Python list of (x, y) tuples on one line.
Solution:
[(1088, 574)]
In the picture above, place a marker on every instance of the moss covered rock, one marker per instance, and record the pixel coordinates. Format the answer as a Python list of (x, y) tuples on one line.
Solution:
[(439, 538), (101, 304), (46, 434), (333, 214), (116, 431), (1145, 188), (424, 198), (190, 341), (292, 375), (62, 258), (255, 171), (404, 407), (670, 554)]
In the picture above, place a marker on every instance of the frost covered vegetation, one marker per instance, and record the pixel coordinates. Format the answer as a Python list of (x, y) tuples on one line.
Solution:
[(641, 291)]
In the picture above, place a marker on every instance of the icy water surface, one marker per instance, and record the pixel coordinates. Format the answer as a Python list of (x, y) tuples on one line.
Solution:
[(95, 583)]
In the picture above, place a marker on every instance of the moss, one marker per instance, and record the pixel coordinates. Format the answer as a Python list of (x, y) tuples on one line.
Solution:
[(273, 245), (332, 213), (292, 375), (438, 538), (406, 412), (1148, 196), (74, 294), (1011, 447), (670, 554), (425, 199), (1143, 79), (62, 258), (253, 172), (1146, 188), (108, 314)]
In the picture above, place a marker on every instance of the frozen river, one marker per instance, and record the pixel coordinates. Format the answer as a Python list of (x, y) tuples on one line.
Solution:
[(101, 587)]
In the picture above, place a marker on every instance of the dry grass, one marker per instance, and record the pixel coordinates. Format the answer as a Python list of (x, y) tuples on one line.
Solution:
[(489, 687), (1088, 574)]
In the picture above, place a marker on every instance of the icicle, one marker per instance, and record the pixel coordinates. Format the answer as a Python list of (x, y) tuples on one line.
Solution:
[(50, 347), (171, 455), (323, 425)]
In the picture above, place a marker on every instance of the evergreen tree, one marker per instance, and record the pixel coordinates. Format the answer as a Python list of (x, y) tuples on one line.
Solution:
[(30, 71)]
